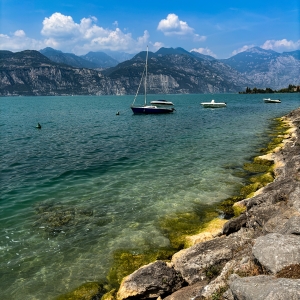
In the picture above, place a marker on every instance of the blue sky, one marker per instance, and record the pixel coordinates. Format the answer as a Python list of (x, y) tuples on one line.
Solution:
[(217, 28)]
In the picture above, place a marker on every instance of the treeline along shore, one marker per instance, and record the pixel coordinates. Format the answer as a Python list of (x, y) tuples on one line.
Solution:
[(290, 89), (253, 255)]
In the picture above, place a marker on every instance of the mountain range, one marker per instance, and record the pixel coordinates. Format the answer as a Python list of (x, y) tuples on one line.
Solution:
[(173, 71)]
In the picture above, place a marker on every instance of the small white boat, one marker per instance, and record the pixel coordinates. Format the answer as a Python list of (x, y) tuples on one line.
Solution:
[(269, 100), (161, 102), (213, 104)]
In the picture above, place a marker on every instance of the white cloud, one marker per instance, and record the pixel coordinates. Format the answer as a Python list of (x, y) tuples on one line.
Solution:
[(20, 33), (63, 32), (59, 25), (157, 45), (204, 51), (244, 48), (18, 41), (281, 45), (172, 26)]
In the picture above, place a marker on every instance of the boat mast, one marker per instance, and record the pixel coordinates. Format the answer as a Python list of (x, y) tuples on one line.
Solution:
[(146, 77)]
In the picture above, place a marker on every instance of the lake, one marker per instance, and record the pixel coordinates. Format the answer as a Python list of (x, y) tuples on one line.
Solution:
[(90, 182)]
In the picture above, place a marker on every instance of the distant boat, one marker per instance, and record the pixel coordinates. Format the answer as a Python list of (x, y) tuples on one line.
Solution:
[(149, 109), (269, 100), (213, 104)]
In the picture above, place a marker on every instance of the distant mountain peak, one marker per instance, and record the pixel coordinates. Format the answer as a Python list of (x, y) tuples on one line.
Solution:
[(259, 50), (49, 49)]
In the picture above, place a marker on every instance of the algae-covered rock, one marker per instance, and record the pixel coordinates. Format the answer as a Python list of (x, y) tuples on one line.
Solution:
[(126, 262), (87, 291), (180, 225), (249, 190), (150, 282), (111, 295), (238, 209), (211, 230), (226, 206)]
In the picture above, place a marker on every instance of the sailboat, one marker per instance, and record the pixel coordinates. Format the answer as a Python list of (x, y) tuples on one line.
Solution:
[(148, 109)]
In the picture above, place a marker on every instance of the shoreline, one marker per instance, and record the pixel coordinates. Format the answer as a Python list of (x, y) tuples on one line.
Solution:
[(214, 267), (212, 249)]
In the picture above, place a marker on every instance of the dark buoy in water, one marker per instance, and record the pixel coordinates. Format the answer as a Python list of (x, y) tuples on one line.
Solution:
[(117, 113), (38, 126)]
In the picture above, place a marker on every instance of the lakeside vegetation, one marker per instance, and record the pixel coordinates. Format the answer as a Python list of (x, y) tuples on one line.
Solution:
[(290, 89)]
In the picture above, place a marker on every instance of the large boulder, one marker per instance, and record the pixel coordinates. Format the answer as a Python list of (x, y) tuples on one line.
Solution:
[(150, 282), (264, 287), (199, 261), (275, 251)]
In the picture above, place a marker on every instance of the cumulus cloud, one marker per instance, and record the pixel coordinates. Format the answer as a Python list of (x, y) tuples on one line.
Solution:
[(18, 41), (64, 33), (172, 26), (281, 45), (276, 45), (157, 45), (242, 49), (204, 51)]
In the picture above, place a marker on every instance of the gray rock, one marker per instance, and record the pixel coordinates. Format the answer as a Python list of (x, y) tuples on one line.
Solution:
[(150, 282), (188, 292), (283, 222), (292, 226), (294, 198), (235, 224), (264, 288), (193, 262), (276, 251)]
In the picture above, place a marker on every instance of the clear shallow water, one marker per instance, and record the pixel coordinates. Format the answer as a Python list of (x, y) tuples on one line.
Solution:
[(109, 179)]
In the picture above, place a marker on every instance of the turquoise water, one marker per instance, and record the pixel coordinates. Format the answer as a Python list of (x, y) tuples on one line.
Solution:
[(91, 182)]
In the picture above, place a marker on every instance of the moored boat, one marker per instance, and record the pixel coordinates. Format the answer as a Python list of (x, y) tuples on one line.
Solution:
[(214, 104), (149, 109), (269, 100)]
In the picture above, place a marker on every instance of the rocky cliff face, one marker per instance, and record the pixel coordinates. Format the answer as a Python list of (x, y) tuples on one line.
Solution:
[(170, 71), (31, 73), (267, 68)]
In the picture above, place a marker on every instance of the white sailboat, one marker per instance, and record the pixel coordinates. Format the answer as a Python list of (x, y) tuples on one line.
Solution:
[(148, 109)]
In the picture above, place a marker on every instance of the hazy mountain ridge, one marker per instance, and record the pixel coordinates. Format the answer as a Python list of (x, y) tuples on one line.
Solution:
[(267, 68), (170, 71)]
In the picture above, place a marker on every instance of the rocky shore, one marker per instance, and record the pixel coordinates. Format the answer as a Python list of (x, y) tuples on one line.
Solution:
[(255, 255)]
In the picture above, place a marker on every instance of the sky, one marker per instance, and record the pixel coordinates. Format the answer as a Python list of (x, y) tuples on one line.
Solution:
[(217, 28)]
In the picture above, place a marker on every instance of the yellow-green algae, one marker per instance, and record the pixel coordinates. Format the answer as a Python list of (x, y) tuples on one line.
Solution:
[(262, 168), (178, 226), (85, 292), (126, 262)]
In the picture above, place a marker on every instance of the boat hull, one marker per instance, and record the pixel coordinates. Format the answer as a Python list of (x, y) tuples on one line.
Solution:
[(272, 101), (151, 110), (213, 105)]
